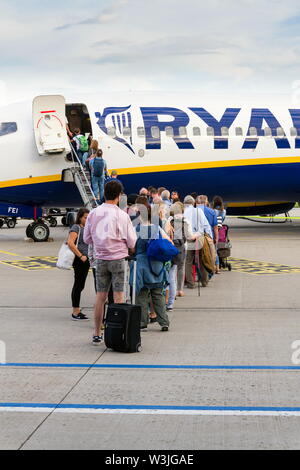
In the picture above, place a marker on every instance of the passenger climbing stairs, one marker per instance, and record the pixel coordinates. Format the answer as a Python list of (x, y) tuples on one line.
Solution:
[(83, 182)]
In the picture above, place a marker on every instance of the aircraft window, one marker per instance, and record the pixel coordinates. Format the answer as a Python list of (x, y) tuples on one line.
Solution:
[(126, 132), (253, 131), (111, 131), (182, 131), (280, 132), (196, 131), (155, 132), (294, 132), (141, 131), (210, 131), (224, 131), (169, 131), (8, 128), (268, 132), (238, 131)]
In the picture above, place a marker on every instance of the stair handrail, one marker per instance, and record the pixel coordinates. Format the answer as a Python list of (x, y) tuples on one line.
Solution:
[(82, 172)]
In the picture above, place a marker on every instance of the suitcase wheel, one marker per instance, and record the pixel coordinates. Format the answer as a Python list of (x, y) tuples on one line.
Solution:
[(139, 348)]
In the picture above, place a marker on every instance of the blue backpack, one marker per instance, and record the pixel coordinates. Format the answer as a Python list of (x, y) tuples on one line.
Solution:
[(98, 166), (161, 250)]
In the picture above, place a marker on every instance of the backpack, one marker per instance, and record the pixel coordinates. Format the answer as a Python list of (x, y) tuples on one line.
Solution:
[(179, 243), (83, 143), (98, 166), (162, 250)]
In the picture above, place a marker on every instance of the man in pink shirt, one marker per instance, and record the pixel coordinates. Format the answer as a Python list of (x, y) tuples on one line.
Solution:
[(111, 232)]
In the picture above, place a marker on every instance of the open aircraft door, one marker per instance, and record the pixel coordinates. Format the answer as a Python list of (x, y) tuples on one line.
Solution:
[(49, 119)]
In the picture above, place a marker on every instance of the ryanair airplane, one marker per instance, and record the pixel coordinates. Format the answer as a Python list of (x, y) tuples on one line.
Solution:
[(248, 153)]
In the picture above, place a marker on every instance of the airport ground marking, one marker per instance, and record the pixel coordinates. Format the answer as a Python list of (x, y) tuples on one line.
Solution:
[(151, 409), (149, 366), (35, 263), (260, 267), (8, 253)]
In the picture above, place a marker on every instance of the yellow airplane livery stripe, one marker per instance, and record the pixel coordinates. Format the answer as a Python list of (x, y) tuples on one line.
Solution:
[(30, 180), (202, 165), (255, 204)]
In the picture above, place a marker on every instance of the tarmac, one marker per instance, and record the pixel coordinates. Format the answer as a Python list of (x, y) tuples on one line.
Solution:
[(226, 375)]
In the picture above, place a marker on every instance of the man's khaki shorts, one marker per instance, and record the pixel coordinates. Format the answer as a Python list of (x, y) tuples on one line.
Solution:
[(110, 272)]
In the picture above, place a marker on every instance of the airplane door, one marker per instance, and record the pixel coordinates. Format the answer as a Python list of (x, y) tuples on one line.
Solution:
[(49, 120)]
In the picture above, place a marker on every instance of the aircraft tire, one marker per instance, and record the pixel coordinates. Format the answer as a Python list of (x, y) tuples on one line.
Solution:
[(64, 220), (52, 222), (38, 231), (1, 223), (11, 223)]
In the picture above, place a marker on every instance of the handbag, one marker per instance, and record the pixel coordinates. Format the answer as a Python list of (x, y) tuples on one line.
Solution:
[(66, 256)]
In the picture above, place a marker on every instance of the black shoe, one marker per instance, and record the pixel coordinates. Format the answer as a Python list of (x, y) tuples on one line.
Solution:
[(153, 320), (164, 328), (97, 340), (80, 316), (143, 328)]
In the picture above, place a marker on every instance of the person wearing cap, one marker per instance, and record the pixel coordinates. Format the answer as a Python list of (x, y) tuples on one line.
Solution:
[(113, 177)]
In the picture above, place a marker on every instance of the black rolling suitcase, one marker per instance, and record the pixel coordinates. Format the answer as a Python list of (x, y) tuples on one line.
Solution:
[(123, 322)]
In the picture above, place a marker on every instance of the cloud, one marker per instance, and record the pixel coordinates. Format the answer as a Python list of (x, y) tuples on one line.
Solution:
[(164, 47), (142, 44), (108, 15)]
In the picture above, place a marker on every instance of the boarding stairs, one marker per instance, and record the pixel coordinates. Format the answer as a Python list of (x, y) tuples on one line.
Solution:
[(82, 180)]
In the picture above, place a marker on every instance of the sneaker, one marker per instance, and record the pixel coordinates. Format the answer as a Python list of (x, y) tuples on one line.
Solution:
[(164, 328), (97, 340), (169, 309), (80, 316)]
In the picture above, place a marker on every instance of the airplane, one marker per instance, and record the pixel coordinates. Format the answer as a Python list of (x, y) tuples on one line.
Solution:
[(245, 150)]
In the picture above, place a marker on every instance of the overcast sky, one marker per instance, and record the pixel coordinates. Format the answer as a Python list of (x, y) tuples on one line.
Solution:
[(175, 45)]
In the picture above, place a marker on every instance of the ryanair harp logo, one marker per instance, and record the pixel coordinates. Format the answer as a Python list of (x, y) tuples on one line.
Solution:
[(120, 120)]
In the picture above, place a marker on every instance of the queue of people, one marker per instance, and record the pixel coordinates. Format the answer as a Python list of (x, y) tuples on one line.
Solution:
[(105, 237)]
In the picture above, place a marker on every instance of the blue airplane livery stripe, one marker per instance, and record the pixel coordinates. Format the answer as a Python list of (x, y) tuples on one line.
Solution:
[(281, 181)]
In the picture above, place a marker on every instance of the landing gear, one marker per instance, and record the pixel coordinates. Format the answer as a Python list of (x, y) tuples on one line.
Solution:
[(52, 222), (1, 223), (38, 231), (64, 221), (11, 223)]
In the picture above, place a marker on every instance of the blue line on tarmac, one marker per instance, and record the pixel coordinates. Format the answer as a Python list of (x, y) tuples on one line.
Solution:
[(150, 407), (147, 366)]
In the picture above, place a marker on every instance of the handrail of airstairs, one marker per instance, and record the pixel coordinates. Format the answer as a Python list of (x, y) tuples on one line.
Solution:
[(82, 172)]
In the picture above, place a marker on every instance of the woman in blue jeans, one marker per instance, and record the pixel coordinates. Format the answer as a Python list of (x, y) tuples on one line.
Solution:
[(98, 171)]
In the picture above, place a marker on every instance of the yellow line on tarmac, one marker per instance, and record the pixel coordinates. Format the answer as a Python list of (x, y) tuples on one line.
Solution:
[(8, 253)]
